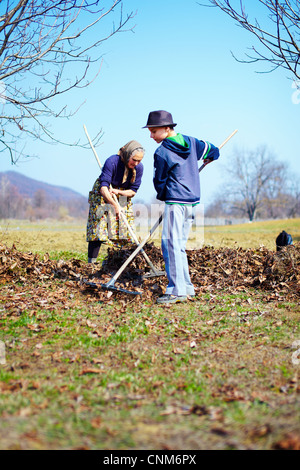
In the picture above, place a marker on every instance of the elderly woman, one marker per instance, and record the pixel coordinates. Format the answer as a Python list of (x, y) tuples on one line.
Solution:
[(120, 179)]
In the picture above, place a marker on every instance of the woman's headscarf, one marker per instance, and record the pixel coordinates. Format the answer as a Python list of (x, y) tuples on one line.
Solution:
[(125, 153)]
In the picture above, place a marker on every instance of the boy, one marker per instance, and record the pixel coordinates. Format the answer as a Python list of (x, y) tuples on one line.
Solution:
[(176, 181)]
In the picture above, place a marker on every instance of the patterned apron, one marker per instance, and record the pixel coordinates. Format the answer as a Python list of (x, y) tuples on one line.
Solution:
[(102, 223)]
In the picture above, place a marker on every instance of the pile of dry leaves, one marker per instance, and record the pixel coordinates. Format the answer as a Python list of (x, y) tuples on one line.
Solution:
[(210, 268), (18, 266)]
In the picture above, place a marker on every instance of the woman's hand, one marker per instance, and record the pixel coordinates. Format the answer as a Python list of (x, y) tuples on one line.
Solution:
[(117, 210), (122, 192), (114, 191), (108, 197)]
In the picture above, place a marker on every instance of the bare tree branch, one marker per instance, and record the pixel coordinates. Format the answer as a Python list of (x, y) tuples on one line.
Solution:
[(253, 177), (280, 41), (39, 40)]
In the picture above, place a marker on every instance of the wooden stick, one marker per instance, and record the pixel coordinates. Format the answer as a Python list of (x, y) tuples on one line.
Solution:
[(133, 236), (157, 223), (222, 145)]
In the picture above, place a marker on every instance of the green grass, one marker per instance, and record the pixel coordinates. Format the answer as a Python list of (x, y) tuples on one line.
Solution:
[(140, 373), (67, 239), (213, 373), (251, 235)]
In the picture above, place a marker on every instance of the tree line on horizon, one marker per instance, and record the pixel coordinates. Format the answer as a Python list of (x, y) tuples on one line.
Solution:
[(255, 186), (14, 205)]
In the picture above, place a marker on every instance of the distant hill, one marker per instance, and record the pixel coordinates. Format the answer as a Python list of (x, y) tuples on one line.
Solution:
[(23, 197), (27, 187)]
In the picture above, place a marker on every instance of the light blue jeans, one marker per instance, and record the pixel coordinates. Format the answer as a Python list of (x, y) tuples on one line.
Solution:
[(177, 223)]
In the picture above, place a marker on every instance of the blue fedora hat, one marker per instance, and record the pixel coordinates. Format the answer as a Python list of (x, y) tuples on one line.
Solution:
[(160, 119)]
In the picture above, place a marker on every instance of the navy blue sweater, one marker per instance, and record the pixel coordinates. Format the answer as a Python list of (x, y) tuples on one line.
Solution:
[(113, 171), (176, 177)]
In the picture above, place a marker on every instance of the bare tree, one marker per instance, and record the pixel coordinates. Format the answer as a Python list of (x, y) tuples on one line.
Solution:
[(11, 202), (294, 197), (280, 35), (46, 50), (252, 176)]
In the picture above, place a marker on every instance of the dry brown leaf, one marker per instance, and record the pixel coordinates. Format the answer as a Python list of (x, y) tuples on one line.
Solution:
[(276, 273), (91, 370)]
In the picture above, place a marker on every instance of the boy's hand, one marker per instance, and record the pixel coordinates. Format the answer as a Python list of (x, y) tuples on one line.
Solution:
[(206, 161)]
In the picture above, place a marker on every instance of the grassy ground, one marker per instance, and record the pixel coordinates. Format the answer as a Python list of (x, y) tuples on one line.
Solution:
[(45, 236), (251, 235), (49, 236), (218, 372)]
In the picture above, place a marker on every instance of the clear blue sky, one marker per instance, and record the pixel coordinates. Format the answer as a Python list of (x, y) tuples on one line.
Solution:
[(178, 59)]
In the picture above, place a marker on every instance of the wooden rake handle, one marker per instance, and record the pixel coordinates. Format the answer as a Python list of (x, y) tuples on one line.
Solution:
[(157, 223), (132, 234), (222, 145)]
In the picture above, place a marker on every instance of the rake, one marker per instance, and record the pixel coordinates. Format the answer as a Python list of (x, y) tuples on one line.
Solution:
[(154, 272), (110, 285)]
